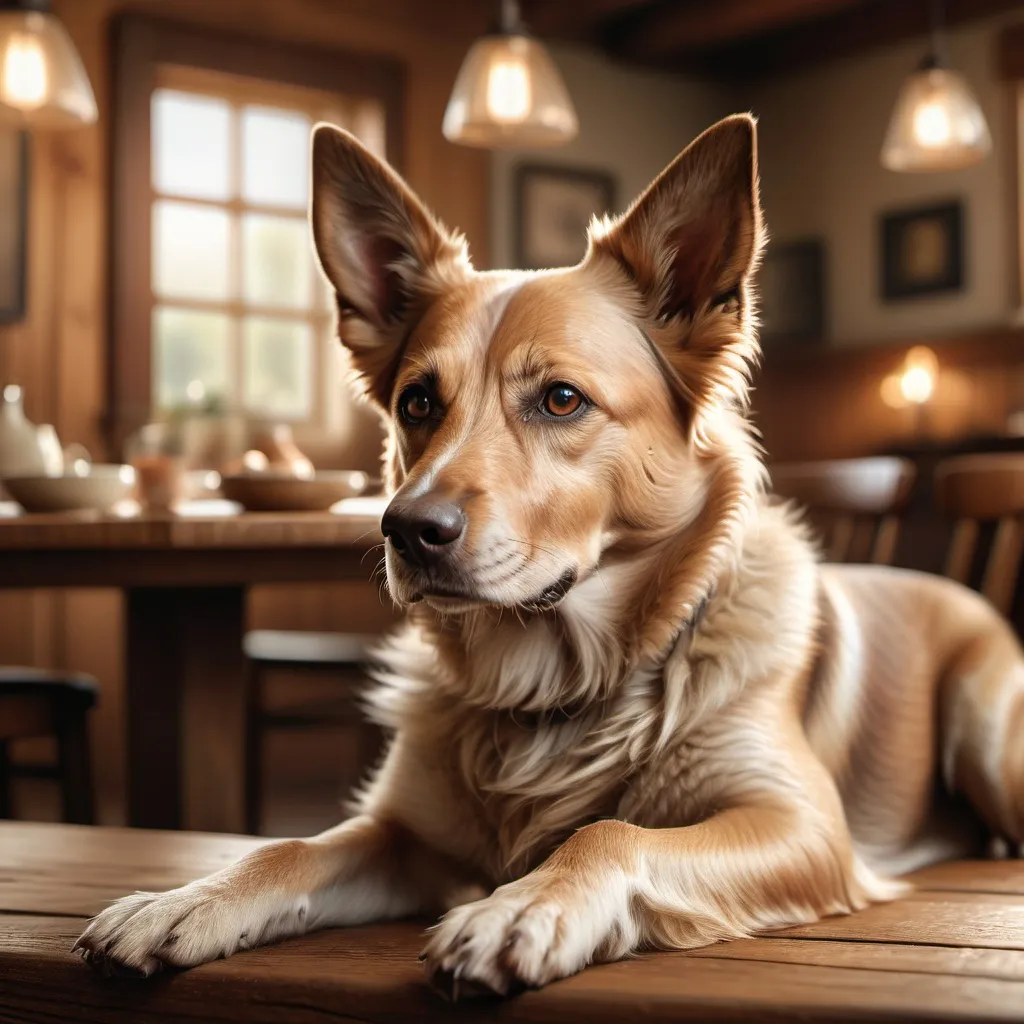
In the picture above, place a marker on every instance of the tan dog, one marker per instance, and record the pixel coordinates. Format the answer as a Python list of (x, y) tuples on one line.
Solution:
[(630, 710)]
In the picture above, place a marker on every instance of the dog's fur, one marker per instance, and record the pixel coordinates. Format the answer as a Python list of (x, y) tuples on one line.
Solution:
[(631, 710)]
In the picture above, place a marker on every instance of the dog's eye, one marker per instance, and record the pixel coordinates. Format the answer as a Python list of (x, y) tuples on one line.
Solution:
[(562, 400), (415, 405)]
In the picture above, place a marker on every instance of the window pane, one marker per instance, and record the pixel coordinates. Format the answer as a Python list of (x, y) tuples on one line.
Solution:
[(189, 347), (190, 145), (190, 251), (278, 367), (275, 157), (278, 259)]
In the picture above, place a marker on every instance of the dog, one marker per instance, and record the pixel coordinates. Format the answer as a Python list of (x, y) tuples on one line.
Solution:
[(629, 709)]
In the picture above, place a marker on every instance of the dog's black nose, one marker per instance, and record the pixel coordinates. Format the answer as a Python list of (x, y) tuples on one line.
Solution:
[(423, 530)]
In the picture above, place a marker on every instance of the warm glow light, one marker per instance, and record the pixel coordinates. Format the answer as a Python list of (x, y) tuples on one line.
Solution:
[(42, 81), (931, 125), (914, 382), (196, 391), (25, 79), (937, 123), (508, 91)]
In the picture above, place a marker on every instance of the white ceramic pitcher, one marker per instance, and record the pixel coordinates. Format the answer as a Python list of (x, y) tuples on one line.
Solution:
[(21, 453)]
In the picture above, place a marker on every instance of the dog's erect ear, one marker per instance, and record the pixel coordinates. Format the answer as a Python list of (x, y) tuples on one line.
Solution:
[(383, 252), (690, 244), (692, 237)]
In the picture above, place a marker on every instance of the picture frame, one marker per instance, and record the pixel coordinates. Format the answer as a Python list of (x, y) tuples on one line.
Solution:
[(922, 250), (791, 285), (553, 207), (13, 224)]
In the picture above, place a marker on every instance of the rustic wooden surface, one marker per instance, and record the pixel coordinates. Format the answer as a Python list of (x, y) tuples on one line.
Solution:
[(953, 951), (185, 581)]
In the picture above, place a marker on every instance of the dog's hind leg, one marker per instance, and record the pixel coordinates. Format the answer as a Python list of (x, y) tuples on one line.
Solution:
[(982, 730)]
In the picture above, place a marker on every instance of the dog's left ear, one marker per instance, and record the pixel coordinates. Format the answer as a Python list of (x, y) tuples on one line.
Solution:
[(381, 249), (690, 244)]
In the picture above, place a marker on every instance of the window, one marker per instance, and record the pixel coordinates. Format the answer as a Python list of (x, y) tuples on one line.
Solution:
[(217, 299), (240, 317)]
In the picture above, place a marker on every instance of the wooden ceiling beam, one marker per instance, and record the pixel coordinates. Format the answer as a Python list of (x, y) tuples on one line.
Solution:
[(576, 20), (872, 24), (677, 28)]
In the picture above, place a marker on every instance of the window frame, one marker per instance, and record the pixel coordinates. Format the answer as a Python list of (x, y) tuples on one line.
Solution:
[(142, 47)]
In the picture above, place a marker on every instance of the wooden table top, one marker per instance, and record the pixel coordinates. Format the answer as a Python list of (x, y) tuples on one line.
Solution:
[(354, 522), (229, 548), (953, 951)]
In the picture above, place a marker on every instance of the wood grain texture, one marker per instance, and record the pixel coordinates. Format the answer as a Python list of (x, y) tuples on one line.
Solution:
[(882, 965)]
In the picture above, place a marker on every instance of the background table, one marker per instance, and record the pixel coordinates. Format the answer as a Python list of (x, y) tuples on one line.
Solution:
[(185, 580), (954, 951)]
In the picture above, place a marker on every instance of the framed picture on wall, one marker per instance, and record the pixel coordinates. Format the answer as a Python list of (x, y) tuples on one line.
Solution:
[(13, 223), (553, 206), (922, 250), (792, 293)]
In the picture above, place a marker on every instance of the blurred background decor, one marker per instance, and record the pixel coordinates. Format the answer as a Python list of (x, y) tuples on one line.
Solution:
[(553, 207), (13, 223), (792, 293), (922, 250)]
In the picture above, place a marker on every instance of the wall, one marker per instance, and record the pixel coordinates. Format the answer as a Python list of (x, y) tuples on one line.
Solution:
[(632, 123), (59, 354), (821, 132)]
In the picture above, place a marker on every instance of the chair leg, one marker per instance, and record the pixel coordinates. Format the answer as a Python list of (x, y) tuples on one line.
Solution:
[(6, 810), (75, 767), (253, 749)]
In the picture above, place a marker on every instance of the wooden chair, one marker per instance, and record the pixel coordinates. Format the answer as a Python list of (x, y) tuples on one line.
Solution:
[(979, 489), (856, 503), (37, 702), (340, 654)]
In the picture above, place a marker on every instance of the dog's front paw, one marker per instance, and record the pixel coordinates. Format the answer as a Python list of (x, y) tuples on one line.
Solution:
[(524, 935), (140, 934)]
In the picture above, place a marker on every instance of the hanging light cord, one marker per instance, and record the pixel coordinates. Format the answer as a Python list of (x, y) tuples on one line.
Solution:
[(936, 25)]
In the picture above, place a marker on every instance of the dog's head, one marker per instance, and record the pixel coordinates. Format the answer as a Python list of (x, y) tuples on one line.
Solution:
[(539, 421)]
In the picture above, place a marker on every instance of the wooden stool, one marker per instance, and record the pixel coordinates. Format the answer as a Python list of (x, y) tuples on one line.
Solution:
[(37, 702), (855, 502), (976, 489), (343, 654)]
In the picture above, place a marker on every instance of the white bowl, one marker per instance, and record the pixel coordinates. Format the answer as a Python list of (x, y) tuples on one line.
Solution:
[(97, 487)]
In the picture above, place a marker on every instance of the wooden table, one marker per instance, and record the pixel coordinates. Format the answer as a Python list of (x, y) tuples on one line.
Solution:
[(954, 951), (185, 580)]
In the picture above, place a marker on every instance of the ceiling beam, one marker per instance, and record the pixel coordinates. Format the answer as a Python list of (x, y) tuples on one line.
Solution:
[(676, 28), (873, 24), (575, 20)]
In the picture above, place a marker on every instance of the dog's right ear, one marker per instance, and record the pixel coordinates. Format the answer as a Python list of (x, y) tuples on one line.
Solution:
[(383, 252)]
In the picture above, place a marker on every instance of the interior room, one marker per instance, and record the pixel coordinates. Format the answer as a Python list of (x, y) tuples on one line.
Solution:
[(192, 569)]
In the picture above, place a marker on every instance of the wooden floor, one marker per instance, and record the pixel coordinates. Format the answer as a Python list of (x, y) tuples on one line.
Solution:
[(953, 951)]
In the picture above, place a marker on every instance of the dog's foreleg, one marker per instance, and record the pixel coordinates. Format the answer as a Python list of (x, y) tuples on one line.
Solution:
[(613, 888), (363, 870)]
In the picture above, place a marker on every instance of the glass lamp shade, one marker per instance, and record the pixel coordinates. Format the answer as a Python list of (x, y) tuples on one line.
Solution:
[(42, 81), (509, 93), (936, 125)]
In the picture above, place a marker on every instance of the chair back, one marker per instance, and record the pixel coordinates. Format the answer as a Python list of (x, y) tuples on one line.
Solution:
[(855, 503), (979, 489)]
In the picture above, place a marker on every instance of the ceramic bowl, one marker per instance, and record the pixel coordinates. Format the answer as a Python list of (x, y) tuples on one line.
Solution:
[(281, 492), (96, 487)]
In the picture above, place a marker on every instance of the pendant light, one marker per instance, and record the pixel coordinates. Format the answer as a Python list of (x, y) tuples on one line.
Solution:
[(42, 81), (509, 93), (937, 123)]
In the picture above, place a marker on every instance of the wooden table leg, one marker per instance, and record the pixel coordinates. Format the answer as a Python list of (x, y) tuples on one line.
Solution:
[(186, 701)]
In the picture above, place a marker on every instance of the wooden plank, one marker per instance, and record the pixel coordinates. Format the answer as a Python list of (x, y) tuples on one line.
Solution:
[(371, 974), (85, 531), (77, 870), (985, 920), (1007, 964), (1005, 876)]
